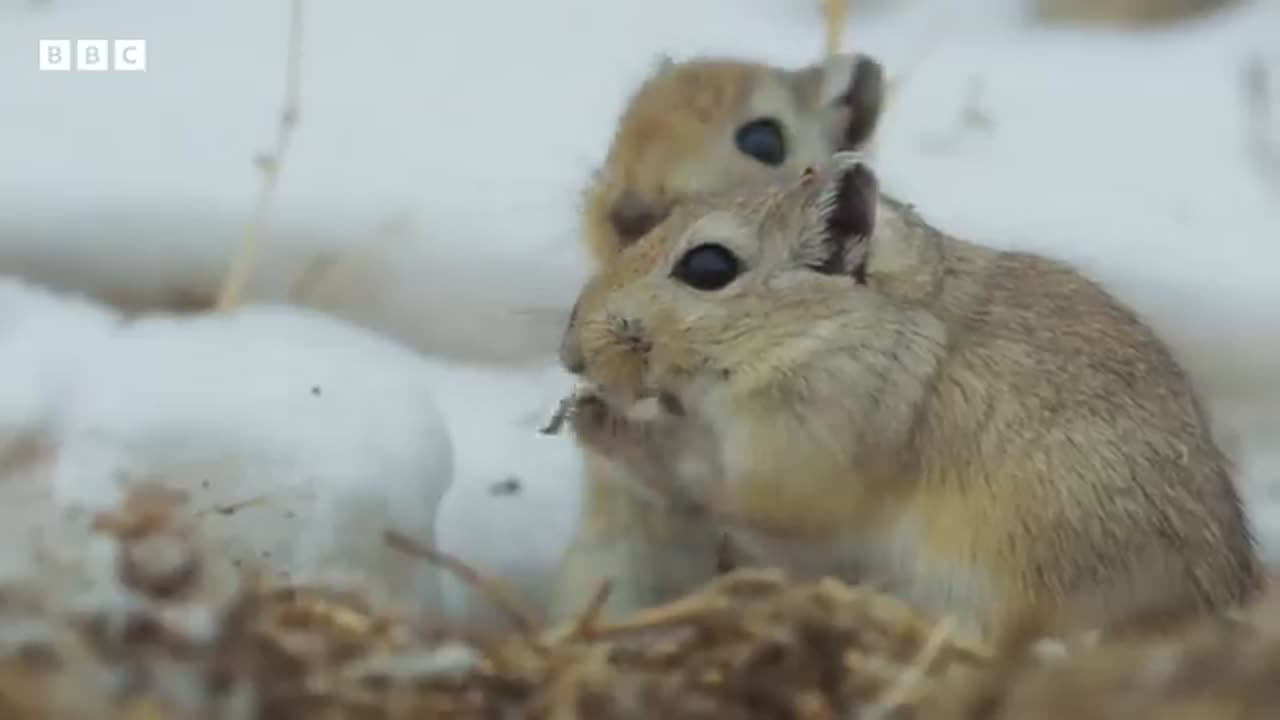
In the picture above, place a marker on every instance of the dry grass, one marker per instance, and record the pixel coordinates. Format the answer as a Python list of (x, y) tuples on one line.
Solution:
[(270, 164), (165, 637), (834, 14), (168, 641)]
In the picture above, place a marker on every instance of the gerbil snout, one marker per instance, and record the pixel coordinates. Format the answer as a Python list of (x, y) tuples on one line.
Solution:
[(571, 356), (603, 346), (632, 217), (607, 332)]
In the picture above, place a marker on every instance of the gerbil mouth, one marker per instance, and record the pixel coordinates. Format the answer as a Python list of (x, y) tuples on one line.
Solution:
[(588, 397), (631, 334), (643, 404)]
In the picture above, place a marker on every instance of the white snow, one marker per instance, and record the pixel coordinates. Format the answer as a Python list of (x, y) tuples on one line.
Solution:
[(298, 439), (440, 153)]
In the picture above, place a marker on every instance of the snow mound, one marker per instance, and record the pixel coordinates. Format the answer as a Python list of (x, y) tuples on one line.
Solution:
[(298, 440)]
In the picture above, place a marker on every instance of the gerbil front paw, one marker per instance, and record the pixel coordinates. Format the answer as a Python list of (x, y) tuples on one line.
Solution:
[(651, 439), (609, 432), (601, 426)]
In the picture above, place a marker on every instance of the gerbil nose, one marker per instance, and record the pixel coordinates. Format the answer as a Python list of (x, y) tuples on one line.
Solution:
[(570, 349), (632, 217)]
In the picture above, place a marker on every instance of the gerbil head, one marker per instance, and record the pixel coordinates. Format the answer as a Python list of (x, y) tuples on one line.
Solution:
[(705, 125), (736, 286)]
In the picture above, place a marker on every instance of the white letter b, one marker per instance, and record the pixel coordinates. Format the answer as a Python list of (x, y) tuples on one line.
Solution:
[(55, 54)]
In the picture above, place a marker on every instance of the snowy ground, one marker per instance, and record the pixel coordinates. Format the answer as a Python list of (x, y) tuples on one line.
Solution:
[(443, 145)]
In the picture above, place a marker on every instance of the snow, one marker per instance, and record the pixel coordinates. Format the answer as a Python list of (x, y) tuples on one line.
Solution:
[(297, 438), (439, 158)]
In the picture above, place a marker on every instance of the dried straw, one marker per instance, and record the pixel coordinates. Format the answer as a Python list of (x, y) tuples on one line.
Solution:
[(749, 644)]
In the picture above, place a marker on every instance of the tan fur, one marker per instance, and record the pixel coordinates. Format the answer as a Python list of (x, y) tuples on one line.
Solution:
[(675, 136), (989, 434), (675, 141)]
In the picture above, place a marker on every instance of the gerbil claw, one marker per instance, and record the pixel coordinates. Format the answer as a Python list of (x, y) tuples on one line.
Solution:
[(558, 417), (569, 407), (564, 411)]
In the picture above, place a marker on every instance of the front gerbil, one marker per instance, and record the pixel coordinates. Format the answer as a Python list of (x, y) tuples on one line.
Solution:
[(986, 433)]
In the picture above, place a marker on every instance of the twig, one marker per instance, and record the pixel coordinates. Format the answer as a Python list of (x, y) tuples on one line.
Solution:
[(835, 12), (246, 254), (899, 692), (521, 616), (687, 611), (586, 625), (234, 507)]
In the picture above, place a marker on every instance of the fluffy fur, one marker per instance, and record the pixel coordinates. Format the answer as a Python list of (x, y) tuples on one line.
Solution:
[(674, 141), (989, 434)]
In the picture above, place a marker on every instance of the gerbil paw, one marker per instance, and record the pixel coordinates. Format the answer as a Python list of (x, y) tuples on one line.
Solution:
[(599, 426)]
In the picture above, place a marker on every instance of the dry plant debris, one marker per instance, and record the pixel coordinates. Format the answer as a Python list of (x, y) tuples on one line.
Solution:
[(834, 13), (167, 639), (270, 164)]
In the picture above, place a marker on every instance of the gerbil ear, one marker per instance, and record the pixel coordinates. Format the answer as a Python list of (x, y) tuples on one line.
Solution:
[(847, 211), (852, 99)]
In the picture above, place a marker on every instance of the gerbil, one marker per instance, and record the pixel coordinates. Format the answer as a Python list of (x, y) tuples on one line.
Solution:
[(693, 127), (987, 434)]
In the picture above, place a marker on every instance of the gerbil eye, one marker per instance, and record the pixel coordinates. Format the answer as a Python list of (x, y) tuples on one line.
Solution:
[(762, 140), (707, 267)]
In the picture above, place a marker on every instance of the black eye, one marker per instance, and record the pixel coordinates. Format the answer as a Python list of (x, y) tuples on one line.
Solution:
[(707, 267), (762, 140)]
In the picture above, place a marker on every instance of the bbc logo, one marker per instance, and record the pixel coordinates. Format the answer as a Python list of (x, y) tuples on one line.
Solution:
[(120, 55)]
